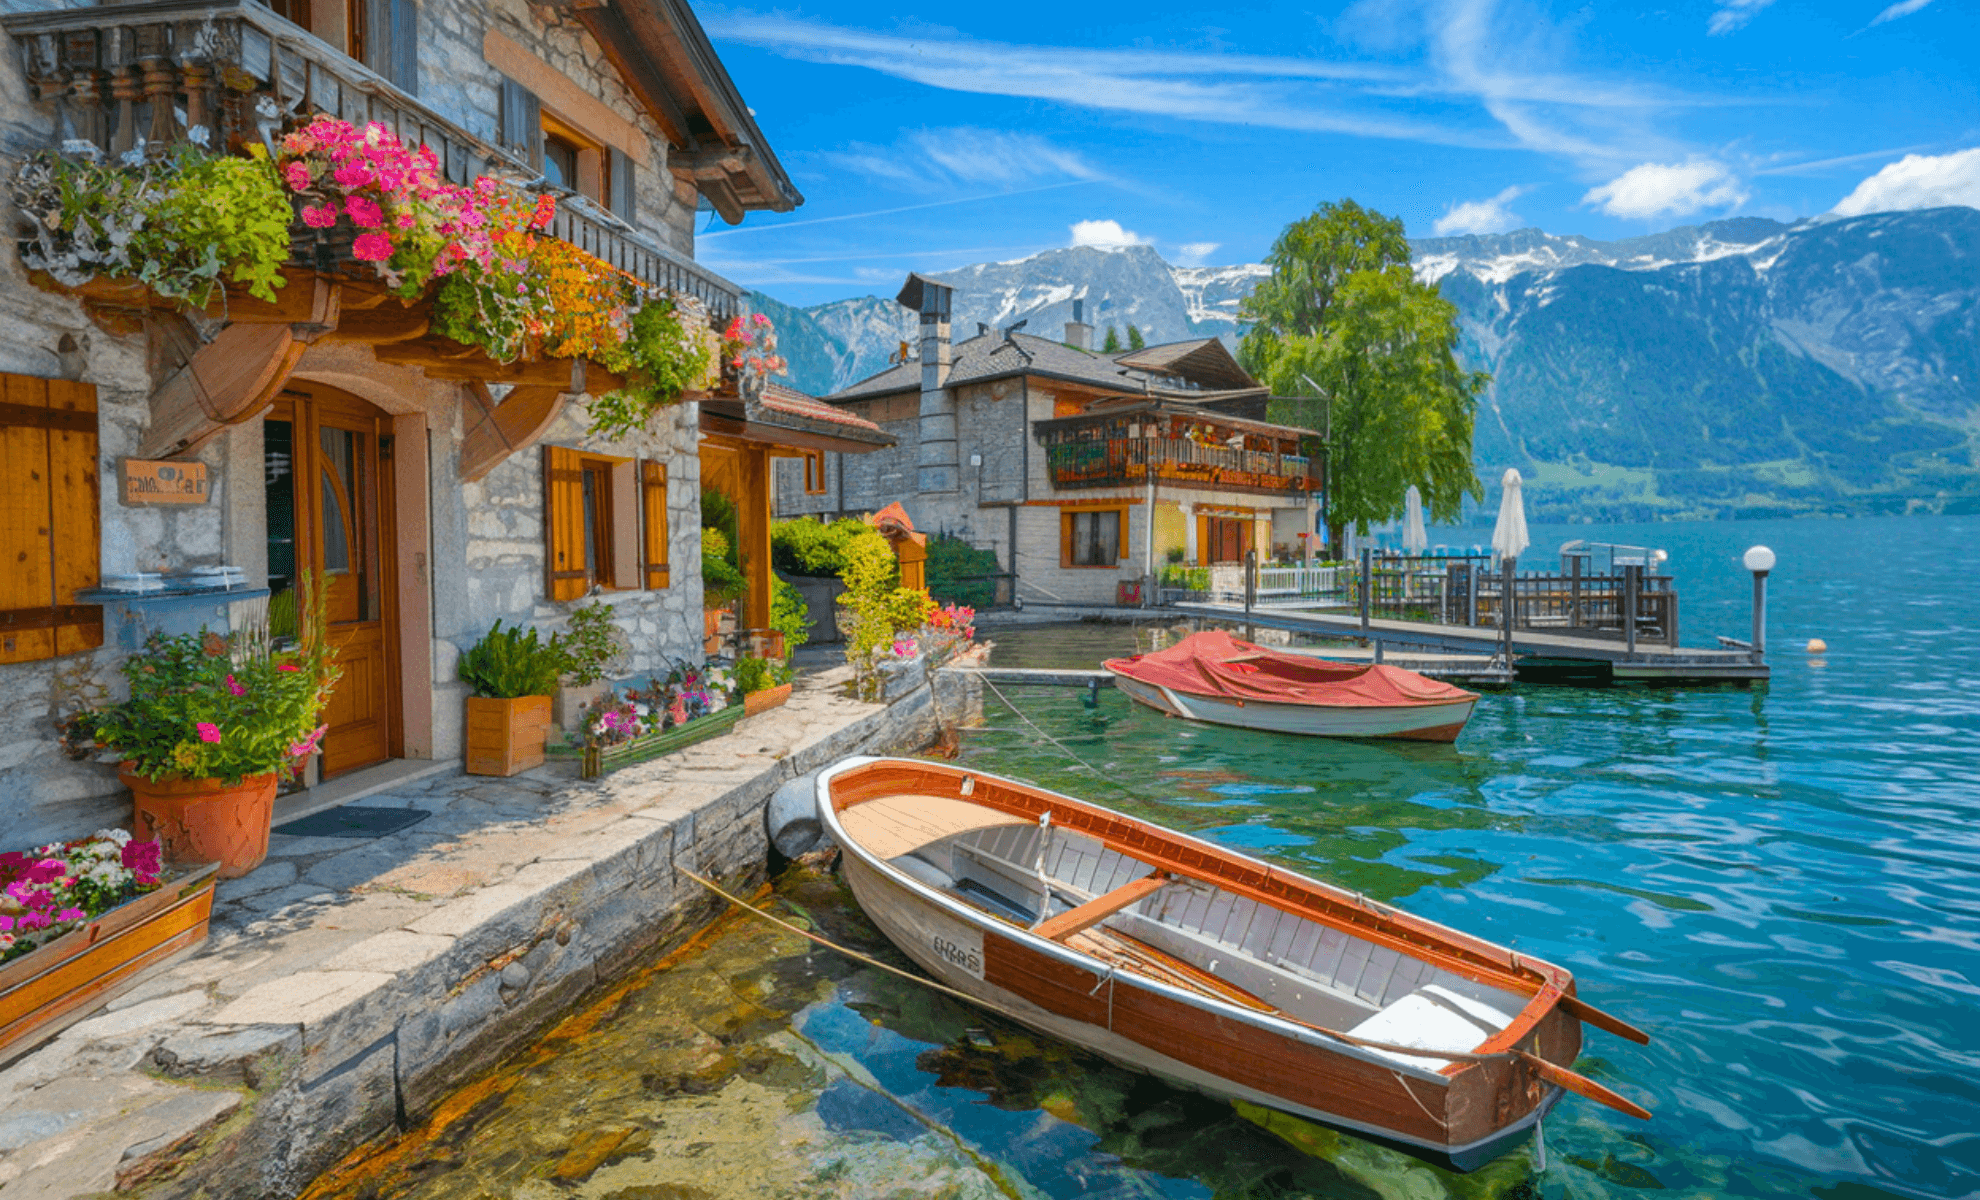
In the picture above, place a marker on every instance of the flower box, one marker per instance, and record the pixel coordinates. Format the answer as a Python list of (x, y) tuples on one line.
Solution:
[(765, 700), (505, 737), (64, 981), (600, 759)]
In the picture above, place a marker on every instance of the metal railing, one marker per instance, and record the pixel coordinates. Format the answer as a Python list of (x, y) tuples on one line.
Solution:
[(1470, 590), (1112, 462), (129, 76)]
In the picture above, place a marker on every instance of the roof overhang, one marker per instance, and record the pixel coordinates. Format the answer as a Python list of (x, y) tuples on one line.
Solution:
[(665, 57), (732, 417), (1159, 408)]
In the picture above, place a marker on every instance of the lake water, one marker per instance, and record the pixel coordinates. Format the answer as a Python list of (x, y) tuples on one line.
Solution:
[(1782, 885)]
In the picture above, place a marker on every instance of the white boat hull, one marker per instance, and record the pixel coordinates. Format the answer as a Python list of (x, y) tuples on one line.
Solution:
[(1419, 722)]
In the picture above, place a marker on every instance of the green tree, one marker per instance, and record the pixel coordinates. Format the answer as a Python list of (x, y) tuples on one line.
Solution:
[(1113, 343), (1135, 340), (1343, 327)]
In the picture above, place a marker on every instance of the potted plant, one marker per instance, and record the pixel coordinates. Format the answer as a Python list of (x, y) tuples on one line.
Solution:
[(512, 672), (722, 584), (80, 918), (589, 644), (212, 725), (764, 683)]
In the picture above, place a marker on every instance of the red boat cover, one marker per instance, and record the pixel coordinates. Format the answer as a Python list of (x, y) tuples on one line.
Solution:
[(1214, 663)]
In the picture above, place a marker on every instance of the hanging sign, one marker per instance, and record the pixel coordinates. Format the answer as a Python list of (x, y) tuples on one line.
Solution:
[(149, 482)]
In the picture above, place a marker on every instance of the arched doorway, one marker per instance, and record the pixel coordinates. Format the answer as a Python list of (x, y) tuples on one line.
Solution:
[(330, 501)]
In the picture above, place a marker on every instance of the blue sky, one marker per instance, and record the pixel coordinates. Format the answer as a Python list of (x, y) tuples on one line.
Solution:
[(931, 138)]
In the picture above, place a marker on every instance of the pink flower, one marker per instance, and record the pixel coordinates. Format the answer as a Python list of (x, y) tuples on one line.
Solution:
[(365, 213), (352, 174), (287, 667), (6, 923), (320, 216), (234, 688), (371, 247), (407, 221), (297, 173), (208, 732), (70, 914), (142, 858)]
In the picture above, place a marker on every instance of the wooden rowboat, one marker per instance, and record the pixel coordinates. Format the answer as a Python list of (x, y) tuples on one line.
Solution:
[(1209, 968), (1214, 677)]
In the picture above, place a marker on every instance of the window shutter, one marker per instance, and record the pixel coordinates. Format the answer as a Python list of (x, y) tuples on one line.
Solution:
[(1121, 531), (1066, 539), (522, 122), (625, 502), (621, 168), (563, 523), (377, 38), (404, 48), (50, 525), (653, 521)]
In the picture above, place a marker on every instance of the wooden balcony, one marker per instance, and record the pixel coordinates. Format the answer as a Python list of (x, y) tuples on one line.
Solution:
[(232, 74), (1178, 462)]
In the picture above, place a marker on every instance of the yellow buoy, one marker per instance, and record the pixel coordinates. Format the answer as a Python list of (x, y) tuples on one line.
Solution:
[(1817, 646)]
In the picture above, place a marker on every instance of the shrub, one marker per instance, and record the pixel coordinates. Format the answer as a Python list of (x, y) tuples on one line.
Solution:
[(789, 615), (512, 662), (721, 582), (959, 573), (802, 546), (908, 609), (760, 674), (589, 644)]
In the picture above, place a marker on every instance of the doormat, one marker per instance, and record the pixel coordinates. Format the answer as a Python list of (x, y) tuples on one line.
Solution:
[(354, 821)]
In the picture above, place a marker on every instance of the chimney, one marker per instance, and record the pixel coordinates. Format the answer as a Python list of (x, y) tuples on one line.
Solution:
[(1078, 332), (937, 469)]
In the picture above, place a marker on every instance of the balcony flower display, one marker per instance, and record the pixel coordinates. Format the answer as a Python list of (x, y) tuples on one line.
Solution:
[(52, 889)]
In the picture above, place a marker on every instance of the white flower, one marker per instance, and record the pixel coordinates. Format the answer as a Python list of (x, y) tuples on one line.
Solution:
[(641, 710), (598, 727), (199, 135), (120, 836)]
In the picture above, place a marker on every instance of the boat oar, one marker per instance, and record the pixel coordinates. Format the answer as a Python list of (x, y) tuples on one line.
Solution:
[(1582, 1010), (1581, 1085)]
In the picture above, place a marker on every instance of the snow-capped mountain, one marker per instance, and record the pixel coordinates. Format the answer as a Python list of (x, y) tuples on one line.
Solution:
[(1740, 366)]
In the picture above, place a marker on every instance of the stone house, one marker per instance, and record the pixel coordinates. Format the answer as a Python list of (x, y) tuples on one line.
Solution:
[(438, 489), (1084, 471)]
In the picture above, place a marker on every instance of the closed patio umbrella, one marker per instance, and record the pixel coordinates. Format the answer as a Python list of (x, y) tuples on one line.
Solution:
[(1415, 540), (1509, 538)]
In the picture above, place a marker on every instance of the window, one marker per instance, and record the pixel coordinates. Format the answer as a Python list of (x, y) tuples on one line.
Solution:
[(591, 518), (814, 472), (1092, 538), (569, 157), (49, 530), (560, 161), (381, 34)]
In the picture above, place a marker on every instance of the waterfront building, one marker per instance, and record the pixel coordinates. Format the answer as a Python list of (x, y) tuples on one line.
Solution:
[(1085, 471), (439, 488)]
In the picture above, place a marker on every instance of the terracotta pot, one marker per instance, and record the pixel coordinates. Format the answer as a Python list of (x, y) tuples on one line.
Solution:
[(205, 820)]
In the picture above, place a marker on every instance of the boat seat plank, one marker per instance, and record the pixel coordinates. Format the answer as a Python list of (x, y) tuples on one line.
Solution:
[(1099, 908), (890, 826)]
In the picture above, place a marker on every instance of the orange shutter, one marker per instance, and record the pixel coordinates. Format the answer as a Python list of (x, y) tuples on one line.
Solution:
[(50, 529), (653, 514), (1065, 539), (1121, 531), (563, 523)]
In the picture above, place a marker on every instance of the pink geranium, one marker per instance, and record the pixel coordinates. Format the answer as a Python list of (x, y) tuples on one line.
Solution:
[(364, 212), (319, 216), (208, 732), (297, 175), (234, 687), (371, 247)]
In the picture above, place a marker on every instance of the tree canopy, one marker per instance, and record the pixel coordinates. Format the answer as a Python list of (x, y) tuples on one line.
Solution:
[(1113, 343), (1135, 340), (1343, 319)]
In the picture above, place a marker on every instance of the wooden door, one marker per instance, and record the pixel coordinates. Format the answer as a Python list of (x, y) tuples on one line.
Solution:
[(330, 510), (1229, 539)]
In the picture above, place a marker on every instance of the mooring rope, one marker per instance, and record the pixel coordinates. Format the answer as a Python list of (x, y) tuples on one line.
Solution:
[(991, 684)]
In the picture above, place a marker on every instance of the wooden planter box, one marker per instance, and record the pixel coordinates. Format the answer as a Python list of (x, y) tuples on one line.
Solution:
[(765, 700), (599, 760), (506, 736), (64, 981)]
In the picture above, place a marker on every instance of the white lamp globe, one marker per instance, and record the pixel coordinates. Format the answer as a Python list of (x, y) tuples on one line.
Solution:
[(1759, 559)]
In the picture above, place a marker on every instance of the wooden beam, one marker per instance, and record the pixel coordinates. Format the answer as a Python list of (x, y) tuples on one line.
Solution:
[(1098, 909), (381, 325), (496, 431), (444, 358)]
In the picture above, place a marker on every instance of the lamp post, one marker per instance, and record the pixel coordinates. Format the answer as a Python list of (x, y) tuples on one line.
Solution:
[(1759, 560)]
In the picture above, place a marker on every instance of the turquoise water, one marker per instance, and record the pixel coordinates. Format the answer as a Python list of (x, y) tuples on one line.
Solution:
[(1778, 884)]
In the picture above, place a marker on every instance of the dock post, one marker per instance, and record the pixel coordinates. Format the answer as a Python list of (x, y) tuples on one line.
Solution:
[(1574, 592), (1632, 579), (1367, 572), (1250, 592), (1378, 649), (1508, 606), (1759, 560)]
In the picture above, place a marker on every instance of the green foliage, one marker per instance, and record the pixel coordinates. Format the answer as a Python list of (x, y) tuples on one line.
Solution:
[(718, 513), (908, 609), (589, 643), (1135, 340), (1342, 315), (183, 225), (512, 662), (1175, 575), (760, 674), (789, 614), (871, 576), (665, 361), (1174, 555), (804, 546), (203, 706), (959, 573), (1112, 344)]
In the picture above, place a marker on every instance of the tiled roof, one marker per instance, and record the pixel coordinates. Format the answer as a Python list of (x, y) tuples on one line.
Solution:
[(790, 401), (992, 356)]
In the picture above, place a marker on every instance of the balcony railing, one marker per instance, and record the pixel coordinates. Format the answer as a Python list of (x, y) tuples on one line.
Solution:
[(1112, 462), (150, 74)]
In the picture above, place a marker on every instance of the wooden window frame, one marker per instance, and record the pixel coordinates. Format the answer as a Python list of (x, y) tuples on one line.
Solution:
[(814, 473), (1066, 521), (592, 164), (616, 541)]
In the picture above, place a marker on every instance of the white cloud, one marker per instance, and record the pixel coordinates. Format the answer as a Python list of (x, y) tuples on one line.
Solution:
[(1668, 189), (938, 160), (1480, 216), (1903, 8), (1918, 181), (1734, 14), (1195, 254), (1105, 235)]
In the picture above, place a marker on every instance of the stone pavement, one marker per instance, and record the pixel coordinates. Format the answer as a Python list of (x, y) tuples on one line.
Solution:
[(348, 985)]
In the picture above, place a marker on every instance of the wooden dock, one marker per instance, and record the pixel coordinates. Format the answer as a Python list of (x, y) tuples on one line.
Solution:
[(1659, 664)]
